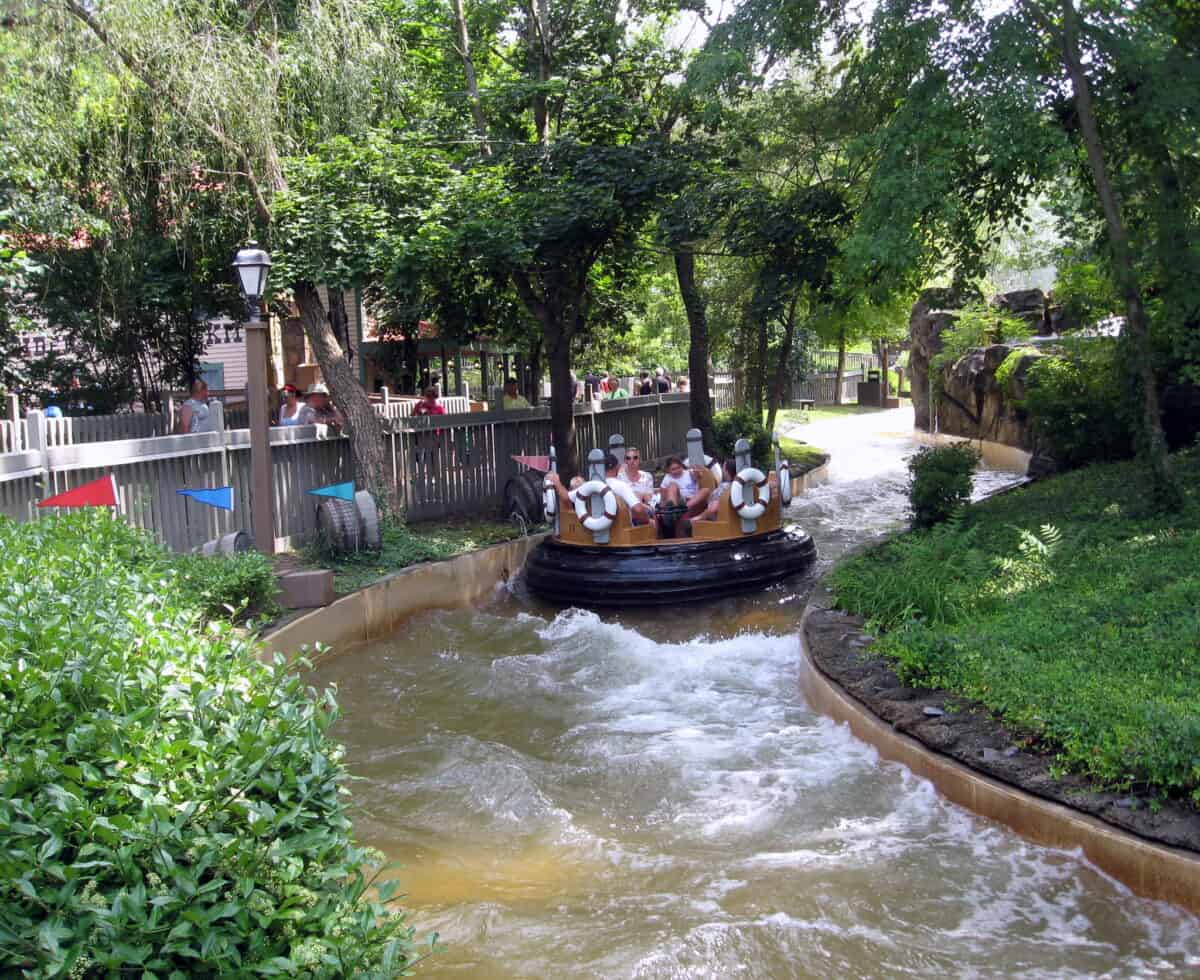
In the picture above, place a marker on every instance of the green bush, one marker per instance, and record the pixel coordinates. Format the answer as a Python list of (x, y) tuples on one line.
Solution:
[(1074, 398), (940, 481), (169, 805), (740, 423), (1067, 608), (227, 586)]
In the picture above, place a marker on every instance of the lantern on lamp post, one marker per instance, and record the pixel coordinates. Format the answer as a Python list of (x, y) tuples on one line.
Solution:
[(252, 265)]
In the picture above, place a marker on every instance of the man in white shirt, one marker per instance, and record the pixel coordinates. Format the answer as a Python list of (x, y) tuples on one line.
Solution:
[(639, 512)]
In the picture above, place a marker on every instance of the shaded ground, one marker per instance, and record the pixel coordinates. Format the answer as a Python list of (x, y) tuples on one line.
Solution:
[(965, 731)]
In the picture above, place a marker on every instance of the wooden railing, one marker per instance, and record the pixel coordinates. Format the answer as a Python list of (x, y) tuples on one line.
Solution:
[(439, 465)]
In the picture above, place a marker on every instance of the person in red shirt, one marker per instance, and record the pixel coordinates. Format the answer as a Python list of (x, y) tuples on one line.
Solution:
[(428, 405)]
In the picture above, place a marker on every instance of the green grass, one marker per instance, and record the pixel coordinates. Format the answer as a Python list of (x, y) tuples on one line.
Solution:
[(801, 456), (1068, 609), (823, 413), (410, 544)]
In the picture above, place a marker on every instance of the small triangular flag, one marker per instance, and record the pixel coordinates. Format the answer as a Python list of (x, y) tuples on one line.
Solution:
[(343, 491), (98, 493), (221, 497)]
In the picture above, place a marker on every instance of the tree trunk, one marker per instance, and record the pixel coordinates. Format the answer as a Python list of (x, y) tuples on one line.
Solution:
[(557, 342), (781, 370), (697, 314), (840, 377), (468, 63), (758, 379), (363, 425), (533, 389), (562, 400), (1152, 441)]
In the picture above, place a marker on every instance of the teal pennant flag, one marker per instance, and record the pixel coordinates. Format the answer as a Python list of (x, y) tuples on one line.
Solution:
[(221, 497), (343, 491)]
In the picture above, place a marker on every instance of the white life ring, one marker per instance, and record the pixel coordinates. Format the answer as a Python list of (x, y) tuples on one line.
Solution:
[(583, 497), (785, 483), (737, 495), (549, 499)]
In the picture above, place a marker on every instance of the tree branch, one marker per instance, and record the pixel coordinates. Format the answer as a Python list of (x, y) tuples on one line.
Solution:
[(138, 70)]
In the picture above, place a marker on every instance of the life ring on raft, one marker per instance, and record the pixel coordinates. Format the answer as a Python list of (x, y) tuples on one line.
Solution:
[(549, 499), (737, 494), (785, 483), (583, 499)]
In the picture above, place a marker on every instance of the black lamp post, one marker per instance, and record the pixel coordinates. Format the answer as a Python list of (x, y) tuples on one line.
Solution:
[(252, 265)]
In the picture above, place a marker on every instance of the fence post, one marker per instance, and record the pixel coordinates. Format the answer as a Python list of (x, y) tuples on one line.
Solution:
[(35, 441), (14, 416), (387, 399)]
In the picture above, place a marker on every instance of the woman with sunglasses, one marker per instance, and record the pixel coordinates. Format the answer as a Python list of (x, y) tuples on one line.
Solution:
[(638, 479)]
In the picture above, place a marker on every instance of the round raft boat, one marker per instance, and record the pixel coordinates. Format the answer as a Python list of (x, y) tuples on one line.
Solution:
[(597, 556)]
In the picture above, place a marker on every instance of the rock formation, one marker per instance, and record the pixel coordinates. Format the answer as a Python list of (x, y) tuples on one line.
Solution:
[(974, 404)]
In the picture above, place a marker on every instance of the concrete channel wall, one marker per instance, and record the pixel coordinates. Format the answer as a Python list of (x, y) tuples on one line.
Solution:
[(374, 612), (1149, 869)]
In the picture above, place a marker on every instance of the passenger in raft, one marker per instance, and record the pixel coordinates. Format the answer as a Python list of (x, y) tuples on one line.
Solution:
[(682, 487), (632, 473), (638, 511)]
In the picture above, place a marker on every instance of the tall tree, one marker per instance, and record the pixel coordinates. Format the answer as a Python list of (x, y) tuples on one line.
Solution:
[(231, 90)]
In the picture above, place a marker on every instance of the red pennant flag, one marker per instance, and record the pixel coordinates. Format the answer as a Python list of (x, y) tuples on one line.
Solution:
[(98, 493), (539, 463)]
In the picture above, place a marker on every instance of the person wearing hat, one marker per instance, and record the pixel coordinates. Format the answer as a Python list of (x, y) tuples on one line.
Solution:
[(318, 409), (292, 408)]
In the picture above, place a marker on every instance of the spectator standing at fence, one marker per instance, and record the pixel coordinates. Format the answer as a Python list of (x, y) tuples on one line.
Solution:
[(614, 388), (645, 386), (289, 412), (193, 413), (512, 396), (429, 404), (681, 385), (662, 382), (319, 410)]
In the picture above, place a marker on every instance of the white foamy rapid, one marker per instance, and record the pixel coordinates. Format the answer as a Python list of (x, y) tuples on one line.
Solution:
[(570, 797)]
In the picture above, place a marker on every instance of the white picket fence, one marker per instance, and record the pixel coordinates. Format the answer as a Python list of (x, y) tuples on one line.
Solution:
[(439, 466)]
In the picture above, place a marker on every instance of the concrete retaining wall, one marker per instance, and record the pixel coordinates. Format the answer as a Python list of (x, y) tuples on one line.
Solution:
[(374, 612), (995, 454), (1153, 870)]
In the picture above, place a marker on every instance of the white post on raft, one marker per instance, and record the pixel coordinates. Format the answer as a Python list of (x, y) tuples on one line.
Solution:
[(596, 466), (695, 449), (554, 469), (616, 446), (596, 501), (741, 456)]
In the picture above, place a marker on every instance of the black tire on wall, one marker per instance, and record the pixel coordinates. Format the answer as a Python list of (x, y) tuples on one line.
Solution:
[(523, 497)]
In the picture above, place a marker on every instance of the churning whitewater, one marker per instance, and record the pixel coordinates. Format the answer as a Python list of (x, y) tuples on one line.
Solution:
[(574, 795)]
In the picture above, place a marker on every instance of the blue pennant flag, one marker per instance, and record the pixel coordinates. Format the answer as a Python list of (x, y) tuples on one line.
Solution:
[(343, 491), (221, 497)]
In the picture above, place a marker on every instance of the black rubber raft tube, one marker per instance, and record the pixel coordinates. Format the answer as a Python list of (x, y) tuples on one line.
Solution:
[(666, 574)]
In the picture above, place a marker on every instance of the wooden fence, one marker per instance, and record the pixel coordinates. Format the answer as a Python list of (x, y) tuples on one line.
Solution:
[(440, 466), (819, 388)]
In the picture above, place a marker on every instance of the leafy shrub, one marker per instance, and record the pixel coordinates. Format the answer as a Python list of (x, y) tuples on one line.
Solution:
[(975, 325), (1074, 398), (170, 805), (741, 423), (1066, 608), (940, 481), (228, 585), (1012, 361)]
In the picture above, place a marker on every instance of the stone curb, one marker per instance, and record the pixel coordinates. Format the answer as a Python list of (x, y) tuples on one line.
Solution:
[(1151, 870), (374, 611)]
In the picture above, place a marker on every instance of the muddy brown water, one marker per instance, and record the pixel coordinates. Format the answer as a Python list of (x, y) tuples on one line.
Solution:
[(647, 795)]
